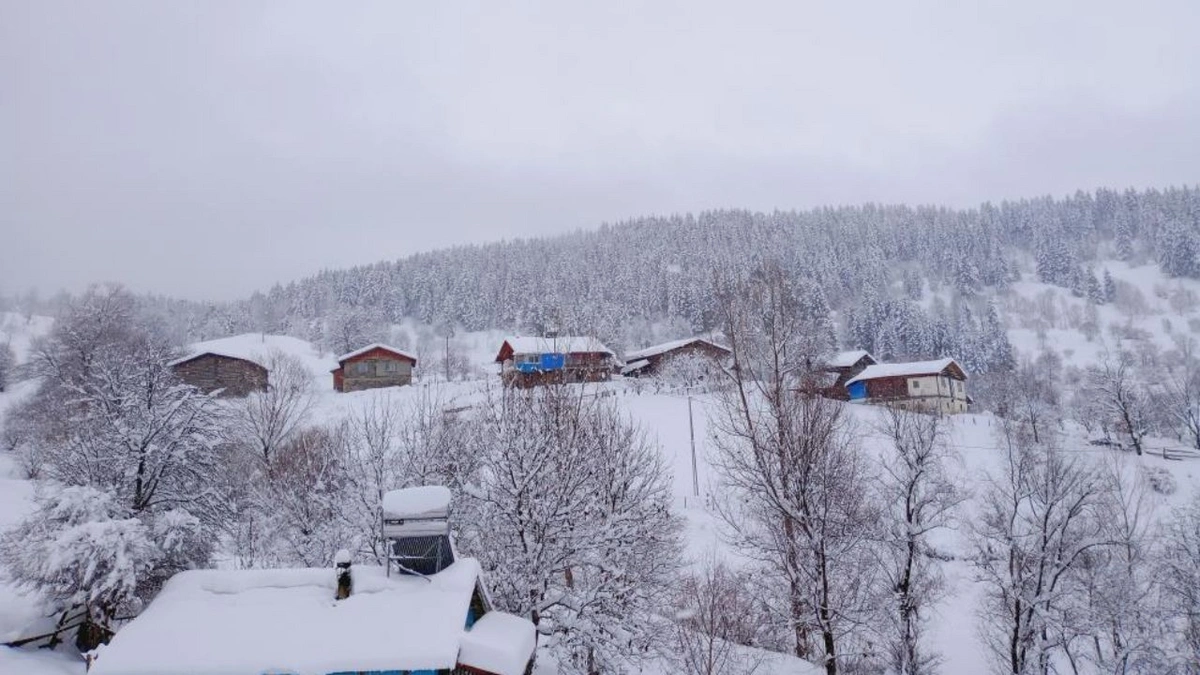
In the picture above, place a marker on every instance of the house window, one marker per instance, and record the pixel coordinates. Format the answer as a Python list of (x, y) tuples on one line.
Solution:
[(916, 384)]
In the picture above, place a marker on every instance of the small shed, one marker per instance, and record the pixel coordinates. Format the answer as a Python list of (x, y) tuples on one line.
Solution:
[(373, 366), (841, 367), (651, 360), (229, 374)]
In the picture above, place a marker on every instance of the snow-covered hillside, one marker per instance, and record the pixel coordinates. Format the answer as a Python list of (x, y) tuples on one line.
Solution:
[(665, 417)]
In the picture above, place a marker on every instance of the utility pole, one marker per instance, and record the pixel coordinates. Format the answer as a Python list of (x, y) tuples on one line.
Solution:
[(692, 434), (449, 334)]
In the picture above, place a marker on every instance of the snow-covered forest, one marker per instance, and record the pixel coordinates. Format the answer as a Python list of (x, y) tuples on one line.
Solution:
[(1056, 529), (901, 281)]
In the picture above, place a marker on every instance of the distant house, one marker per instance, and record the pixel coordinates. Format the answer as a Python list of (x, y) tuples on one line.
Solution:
[(229, 374), (934, 386), (649, 361), (840, 368), (528, 361), (343, 620), (373, 366)]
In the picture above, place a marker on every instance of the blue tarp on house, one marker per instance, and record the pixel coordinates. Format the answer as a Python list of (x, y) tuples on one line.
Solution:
[(857, 390)]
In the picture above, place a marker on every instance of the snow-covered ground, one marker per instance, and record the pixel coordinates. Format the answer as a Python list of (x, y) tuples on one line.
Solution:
[(664, 417)]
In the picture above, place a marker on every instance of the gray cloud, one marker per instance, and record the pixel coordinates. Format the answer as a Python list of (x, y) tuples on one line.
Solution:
[(207, 149)]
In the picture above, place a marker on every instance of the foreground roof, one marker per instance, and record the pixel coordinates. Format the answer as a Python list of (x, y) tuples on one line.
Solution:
[(670, 346), (563, 344), (910, 369), (227, 622), (377, 345), (848, 358)]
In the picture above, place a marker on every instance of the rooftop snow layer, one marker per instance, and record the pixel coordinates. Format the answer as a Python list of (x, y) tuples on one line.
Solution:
[(427, 499), (849, 358), (635, 366), (257, 348), (499, 643), (563, 344), (233, 622), (901, 369), (377, 345), (668, 346)]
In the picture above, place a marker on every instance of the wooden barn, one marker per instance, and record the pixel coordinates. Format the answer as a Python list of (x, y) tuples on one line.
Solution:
[(932, 386), (373, 366), (228, 374), (530, 361), (650, 361), (840, 368)]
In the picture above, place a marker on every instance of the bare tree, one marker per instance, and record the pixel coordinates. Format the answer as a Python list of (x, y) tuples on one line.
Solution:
[(793, 481), (572, 523), (1182, 389), (1039, 519), (1180, 571), (715, 618), (373, 467), (1114, 382), (8, 362), (270, 418), (919, 498)]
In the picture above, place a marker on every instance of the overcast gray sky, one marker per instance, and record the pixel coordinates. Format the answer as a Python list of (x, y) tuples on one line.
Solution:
[(206, 149)]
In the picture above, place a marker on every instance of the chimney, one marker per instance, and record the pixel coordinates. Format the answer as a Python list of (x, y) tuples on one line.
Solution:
[(345, 584)]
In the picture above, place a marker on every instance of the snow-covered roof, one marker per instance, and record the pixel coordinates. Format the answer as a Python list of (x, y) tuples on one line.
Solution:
[(563, 344), (910, 369), (634, 366), (848, 358), (426, 501), (377, 345), (256, 348), (669, 346), (499, 643), (233, 622)]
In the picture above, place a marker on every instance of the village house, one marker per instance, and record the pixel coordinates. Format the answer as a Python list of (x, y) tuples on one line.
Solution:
[(373, 366), (352, 619), (932, 386), (228, 374), (840, 368), (530, 361), (651, 360)]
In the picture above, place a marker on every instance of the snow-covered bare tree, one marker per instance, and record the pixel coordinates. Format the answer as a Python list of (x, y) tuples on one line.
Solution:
[(1180, 572), (1039, 518), (1115, 383), (715, 619), (265, 420), (793, 482), (918, 498), (110, 416), (8, 361), (1182, 389), (373, 467), (571, 522)]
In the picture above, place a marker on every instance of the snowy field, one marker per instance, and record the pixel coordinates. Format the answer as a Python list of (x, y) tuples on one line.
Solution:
[(664, 417)]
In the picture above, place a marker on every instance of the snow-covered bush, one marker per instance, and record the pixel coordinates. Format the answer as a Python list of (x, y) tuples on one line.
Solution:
[(1159, 479), (81, 548), (8, 361)]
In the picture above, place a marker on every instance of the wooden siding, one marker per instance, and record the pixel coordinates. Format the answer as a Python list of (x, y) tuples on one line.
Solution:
[(656, 362), (233, 376), (374, 369)]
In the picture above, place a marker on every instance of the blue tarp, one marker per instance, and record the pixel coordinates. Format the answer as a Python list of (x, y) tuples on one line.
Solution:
[(857, 390)]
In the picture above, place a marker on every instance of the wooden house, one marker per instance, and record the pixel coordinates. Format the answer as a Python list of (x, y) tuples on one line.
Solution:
[(228, 374), (529, 361), (373, 366), (840, 368), (651, 360), (932, 386)]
